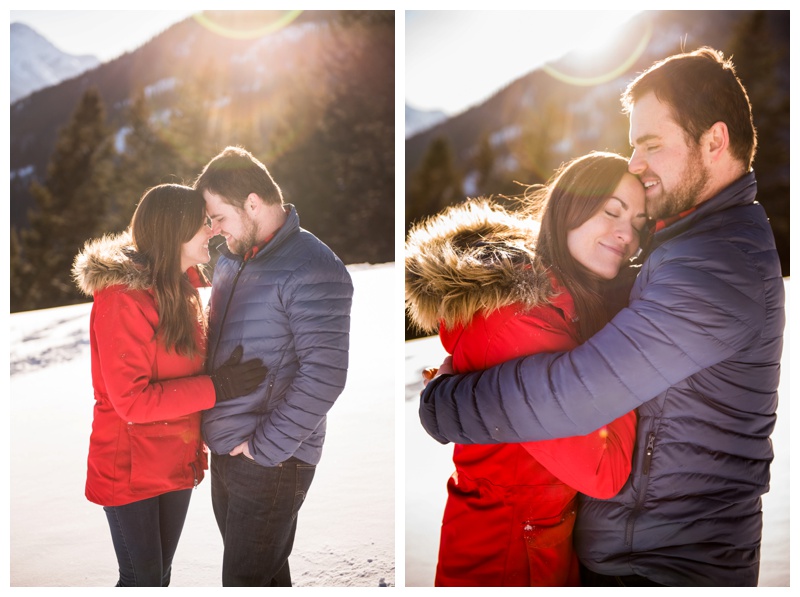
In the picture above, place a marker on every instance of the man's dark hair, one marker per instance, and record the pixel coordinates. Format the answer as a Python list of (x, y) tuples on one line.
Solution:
[(235, 173), (701, 88)]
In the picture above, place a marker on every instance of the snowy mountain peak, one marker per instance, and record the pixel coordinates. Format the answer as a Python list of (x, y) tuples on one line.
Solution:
[(420, 120), (36, 63)]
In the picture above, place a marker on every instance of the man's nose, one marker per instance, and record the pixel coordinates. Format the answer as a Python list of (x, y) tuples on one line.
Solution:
[(636, 165)]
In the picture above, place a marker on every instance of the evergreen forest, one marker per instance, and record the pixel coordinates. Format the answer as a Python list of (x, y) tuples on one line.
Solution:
[(310, 94)]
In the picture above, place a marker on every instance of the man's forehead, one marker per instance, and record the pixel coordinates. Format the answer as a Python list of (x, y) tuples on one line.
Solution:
[(214, 202), (650, 119)]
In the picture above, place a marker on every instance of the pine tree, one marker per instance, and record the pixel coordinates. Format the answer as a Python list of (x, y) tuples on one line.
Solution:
[(20, 273), (190, 132), (484, 164), (70, 207), (436, 183), (146, 160), (760, 51), (356, 134), (535, 149)]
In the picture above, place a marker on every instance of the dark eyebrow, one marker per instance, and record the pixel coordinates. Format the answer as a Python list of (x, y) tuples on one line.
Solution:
[(626, 206), (645, 138)]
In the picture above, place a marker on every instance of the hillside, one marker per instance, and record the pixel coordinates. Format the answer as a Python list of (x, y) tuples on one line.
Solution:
[(309, 93)]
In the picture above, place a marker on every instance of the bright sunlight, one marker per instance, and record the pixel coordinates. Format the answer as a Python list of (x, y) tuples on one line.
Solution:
[(456, 59)]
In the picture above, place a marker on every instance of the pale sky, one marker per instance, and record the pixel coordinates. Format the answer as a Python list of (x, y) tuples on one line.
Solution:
[(457, 59), (453, 59), (105, 34)]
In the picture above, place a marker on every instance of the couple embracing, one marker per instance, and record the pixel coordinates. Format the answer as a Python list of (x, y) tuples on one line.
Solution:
[(252, 378), (601, 441)]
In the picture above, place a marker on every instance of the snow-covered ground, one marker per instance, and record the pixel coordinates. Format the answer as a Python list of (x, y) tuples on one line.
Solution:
[(428, 464), (346, 529)]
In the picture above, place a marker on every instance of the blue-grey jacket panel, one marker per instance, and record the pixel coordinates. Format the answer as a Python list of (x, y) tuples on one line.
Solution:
[(698, 351), (289, 306)]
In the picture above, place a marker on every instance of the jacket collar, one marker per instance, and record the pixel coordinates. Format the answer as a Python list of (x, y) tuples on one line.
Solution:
[(109, 261), (740, 192), (290, 226)]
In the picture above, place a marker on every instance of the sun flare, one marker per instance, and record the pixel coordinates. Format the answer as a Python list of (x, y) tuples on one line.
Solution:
[(596, 67), (246, 24)]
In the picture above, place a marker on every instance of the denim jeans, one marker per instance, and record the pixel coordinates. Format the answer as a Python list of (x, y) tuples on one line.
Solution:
[(145, 536), (590, 578), (256, 510)]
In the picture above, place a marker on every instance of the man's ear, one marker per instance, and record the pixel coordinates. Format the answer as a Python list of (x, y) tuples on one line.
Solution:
[(253, 203), (717, 140)]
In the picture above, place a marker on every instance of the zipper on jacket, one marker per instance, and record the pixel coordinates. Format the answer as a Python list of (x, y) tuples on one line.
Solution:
[(648, 452), (269, 392), (648, 457), (225, 313), (194, 472)]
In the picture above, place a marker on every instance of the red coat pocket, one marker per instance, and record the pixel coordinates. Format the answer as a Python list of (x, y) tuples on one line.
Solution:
[(162, 455)]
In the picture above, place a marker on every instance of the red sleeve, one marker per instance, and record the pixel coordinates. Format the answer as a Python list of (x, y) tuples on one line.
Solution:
[(506, 334), (123, 332), (597, 464)]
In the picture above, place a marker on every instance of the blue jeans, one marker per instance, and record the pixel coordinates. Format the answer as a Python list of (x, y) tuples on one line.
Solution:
[(256, 510), (590, 578), (145, 536)]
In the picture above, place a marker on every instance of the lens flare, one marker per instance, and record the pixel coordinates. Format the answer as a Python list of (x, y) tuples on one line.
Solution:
[(250, 30), (581, 81)]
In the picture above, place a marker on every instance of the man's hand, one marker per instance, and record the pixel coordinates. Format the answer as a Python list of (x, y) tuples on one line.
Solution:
[(242, 448), (431, 373)]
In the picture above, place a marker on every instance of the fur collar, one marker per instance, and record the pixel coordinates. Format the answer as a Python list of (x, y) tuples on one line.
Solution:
[(108, 261), (472, 257)]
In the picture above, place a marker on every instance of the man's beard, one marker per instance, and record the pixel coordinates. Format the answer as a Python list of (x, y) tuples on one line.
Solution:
[(694, 179), (248, 239)]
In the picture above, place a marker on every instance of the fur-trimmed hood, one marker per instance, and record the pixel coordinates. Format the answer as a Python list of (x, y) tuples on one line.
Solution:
[(110, 260), (471, 257)]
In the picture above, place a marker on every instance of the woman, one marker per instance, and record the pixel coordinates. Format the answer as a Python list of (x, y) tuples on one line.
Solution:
[(148, 352), (497, 286)]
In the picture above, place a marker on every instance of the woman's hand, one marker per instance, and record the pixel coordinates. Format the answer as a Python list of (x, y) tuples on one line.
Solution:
[(234, 378), (431, 373)]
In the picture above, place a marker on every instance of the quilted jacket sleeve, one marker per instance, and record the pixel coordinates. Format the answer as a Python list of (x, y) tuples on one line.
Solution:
[(124, 327), (692, 313), (317, 300), (597, 464)]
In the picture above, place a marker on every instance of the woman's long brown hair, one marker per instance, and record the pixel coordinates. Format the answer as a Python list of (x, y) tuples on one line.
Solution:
[(167, 216), (574, 194)]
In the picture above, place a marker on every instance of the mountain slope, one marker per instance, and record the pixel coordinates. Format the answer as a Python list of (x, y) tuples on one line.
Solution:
[(36, 63), (310, 93), (420, 120)]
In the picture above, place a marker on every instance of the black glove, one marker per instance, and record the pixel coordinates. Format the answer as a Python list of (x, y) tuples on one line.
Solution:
[(233, 378)]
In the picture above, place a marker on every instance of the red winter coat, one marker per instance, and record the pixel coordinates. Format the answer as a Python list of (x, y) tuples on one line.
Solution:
[(511, 507), (145, 437)]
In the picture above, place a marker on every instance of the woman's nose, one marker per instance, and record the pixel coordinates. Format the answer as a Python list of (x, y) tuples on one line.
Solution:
[(626, 233)]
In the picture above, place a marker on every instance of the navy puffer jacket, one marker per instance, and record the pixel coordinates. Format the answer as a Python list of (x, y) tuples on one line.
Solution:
[(289, 306), (698, 351)]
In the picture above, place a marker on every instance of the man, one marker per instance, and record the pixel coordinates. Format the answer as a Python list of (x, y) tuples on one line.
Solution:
[(283, 296), (697, 351)]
